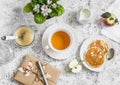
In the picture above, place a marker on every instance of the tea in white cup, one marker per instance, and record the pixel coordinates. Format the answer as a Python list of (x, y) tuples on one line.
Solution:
[(59, 40)]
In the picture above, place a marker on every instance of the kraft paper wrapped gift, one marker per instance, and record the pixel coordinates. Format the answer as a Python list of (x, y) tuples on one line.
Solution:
[(28, 72)]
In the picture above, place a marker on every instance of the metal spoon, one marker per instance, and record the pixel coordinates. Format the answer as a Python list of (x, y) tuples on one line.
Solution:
[(9, 37), (13, 37), (111, 53)]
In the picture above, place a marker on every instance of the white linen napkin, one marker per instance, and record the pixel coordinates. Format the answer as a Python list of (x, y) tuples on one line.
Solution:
[(113, 32)]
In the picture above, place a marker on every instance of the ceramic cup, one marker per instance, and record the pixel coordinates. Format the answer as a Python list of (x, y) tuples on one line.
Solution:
[(50, 46), (84, 15)]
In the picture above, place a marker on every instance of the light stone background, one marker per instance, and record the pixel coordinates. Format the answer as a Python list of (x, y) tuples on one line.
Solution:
[(11, 16)]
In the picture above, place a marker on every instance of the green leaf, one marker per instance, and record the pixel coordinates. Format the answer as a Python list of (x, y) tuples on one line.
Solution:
[(28, 8), (106, 15), (34, 1), (39, 18), (60, 9), (53, 13), (42, 1), (33, 4), (55, 1)]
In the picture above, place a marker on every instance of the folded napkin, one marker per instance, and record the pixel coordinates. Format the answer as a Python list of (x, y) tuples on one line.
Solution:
[(113, 32), (29, 73)]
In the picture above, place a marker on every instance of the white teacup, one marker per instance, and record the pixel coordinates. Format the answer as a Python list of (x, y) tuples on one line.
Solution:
[(61, 29), (84, 15)]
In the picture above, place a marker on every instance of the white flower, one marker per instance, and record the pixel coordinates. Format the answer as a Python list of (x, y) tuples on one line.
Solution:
[(76, 69), (73, 63), (26, 70), (45, 10), (36, 8), (54, 5), (75, 66), (49, 1)]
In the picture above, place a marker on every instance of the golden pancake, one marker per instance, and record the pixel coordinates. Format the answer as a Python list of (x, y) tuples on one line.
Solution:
[(100, 44), (95, 57)]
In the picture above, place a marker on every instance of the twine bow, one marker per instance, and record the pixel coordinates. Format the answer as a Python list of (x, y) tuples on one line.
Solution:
[(29, 68)]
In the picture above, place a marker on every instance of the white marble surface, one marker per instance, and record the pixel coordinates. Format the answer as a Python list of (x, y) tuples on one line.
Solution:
[(11, 16)]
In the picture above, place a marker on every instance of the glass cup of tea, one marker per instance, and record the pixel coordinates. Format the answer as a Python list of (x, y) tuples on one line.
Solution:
[(59, 40), (25, 35)]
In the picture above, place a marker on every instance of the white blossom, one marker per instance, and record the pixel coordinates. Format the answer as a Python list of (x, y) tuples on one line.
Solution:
[(54, 5), (36, 8), (45, 10), (74, 66), (49, 1)]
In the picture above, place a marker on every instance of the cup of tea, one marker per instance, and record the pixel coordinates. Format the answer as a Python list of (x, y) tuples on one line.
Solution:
[(59, 40), (25, 35), (84, 15)]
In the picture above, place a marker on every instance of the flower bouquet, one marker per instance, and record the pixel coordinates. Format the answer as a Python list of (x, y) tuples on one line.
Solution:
[(43, 9)]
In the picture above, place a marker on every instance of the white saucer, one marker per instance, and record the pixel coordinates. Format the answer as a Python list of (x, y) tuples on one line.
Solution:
[(60, 55), (84, 48)]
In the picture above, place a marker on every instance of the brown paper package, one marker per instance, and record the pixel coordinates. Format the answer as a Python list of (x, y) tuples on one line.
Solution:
[(30, 80)]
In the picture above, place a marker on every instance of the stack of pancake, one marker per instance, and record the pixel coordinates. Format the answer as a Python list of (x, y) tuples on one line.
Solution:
[(96, 53)]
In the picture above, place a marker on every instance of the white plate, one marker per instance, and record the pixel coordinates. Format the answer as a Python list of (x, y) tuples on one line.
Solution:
[(84, 48), (60, 55)]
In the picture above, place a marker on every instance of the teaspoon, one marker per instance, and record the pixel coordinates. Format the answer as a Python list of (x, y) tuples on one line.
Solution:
[(111, 53), (9, 37)]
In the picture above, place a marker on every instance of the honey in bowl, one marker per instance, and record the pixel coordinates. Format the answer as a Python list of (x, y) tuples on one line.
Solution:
[(25, 36), (60, 40)]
